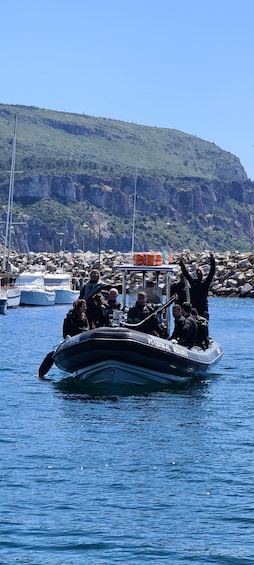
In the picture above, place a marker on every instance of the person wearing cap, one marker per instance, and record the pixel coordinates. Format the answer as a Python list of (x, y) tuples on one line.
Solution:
[(199, 287)]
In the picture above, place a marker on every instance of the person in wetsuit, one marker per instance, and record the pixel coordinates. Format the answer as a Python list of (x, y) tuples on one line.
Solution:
[(189, 330), (75, 320), (179, 321), (139, 312), (199, 287), (92, 286)]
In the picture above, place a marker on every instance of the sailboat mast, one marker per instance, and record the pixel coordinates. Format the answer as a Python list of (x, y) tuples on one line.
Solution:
[(7, 240), (134, 214)]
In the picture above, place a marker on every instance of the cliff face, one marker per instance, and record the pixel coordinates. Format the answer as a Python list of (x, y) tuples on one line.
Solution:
[(76, 179), (205, 207), (185, 195)]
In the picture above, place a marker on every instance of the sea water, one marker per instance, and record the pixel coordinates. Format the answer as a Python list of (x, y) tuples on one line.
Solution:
[(160, 477)]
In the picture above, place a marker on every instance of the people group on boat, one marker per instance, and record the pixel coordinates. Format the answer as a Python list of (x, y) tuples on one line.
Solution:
[(95, 308)]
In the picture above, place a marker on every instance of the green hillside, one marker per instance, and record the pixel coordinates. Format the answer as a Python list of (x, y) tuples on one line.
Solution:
[(50, 141), (77, 172)]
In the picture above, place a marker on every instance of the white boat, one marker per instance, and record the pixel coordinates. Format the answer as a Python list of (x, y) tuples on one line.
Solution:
[(7, 277), (3, 304), (13, 294), (124, 355), (61, 284), (10, 290), (33, 292)]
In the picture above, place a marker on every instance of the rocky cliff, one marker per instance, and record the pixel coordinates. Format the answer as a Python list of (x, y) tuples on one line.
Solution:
[(76, 181), (185, 212)]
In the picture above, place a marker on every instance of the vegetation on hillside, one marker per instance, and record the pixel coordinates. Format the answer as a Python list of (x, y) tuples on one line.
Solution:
[(91, 150), (53, 142)]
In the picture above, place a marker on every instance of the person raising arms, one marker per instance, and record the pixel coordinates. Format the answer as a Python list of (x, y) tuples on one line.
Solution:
[(199, 287)]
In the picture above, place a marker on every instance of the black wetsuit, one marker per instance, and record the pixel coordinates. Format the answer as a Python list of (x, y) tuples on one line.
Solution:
[(112, 305), (179, 323), (189, 332), (90, 288), (97, 313), (199, 289), (72, 325), (179, 289), (139, 313)]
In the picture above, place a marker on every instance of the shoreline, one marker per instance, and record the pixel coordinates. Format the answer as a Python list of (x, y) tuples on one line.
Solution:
[(234, 275)]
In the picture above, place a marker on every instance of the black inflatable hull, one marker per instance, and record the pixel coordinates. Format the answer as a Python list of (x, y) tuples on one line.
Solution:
[(126, 356)]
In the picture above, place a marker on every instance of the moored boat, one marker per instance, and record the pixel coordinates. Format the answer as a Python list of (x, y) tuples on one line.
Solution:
[(60, 283), (3, 304), (33, 292), (10, 290), (123, 354)]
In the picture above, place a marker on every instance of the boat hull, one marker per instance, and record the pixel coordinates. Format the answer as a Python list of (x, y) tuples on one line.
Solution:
[(66, 296), (3, 305), (37, 297), (61, 284), (125, 356), (13, 297)]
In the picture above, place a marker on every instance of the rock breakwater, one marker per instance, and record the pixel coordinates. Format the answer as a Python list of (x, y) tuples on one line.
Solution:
[(234, 276)]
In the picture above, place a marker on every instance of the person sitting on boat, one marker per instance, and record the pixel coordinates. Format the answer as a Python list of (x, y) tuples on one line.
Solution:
[(76, 320), (202, 337), (92, 286), (97, 313), (189, 331), (179, 321), (199, 287), (112, 302), (152, 294), (139, 312)]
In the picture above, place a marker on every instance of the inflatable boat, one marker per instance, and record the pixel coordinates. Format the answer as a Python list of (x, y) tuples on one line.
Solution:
[(122, 354)]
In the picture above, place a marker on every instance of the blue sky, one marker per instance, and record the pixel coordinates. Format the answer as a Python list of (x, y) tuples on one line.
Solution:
[(184, 64)]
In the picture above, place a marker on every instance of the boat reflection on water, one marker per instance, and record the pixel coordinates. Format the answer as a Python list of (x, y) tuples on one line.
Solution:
[(72, 388)]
